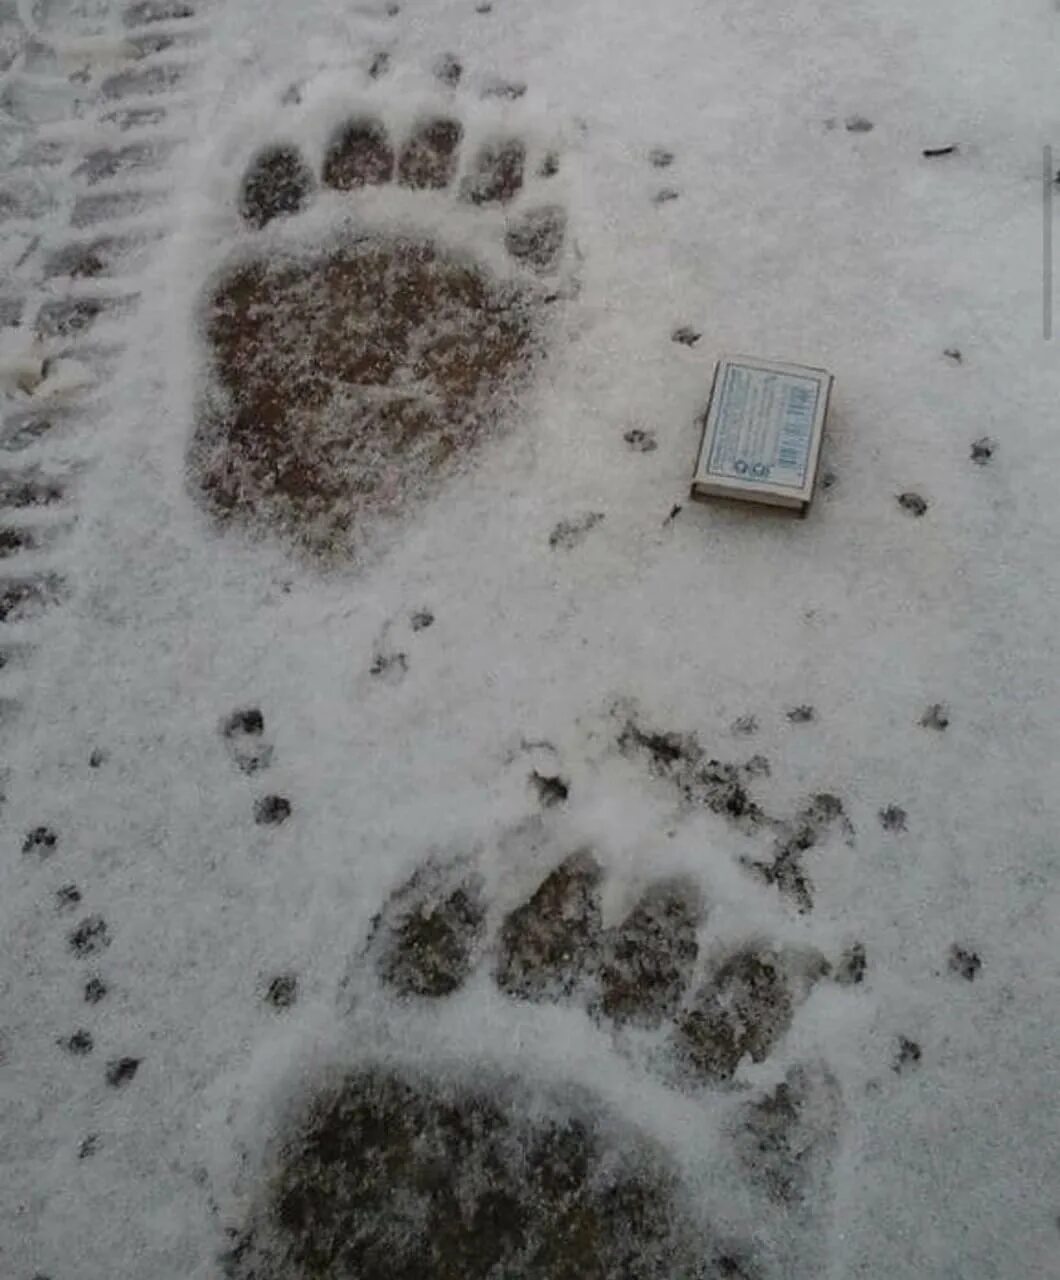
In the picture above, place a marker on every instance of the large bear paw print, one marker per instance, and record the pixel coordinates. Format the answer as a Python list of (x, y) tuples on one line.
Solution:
[(350, 371), (391, 1169)]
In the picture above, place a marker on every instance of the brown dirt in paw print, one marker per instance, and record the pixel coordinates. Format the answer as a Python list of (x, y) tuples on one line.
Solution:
[(390, 1175), (276, 184), (427, 936), (536, 237), (347, 385), (743, 1010), (497, 173), (429, 158), (649, 958), (359, 155), (550, 945)]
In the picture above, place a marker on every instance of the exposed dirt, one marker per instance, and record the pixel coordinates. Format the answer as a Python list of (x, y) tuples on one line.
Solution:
[(550, 945), (429, 158), (743, 1010), (426, 938), (359, 155), (395, 1176), (649, 958), (536, 237), (347, 384)]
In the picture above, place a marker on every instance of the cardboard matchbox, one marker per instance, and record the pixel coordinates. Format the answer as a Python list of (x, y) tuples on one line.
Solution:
[(762, 432)]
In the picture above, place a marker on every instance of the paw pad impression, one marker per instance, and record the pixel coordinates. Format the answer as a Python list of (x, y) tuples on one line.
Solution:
[(344, 379)]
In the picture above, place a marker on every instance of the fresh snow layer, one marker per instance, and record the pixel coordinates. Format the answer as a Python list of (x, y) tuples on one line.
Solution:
[(793, 237)]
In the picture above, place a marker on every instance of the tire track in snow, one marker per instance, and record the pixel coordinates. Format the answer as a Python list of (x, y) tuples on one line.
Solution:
[(94, 104)]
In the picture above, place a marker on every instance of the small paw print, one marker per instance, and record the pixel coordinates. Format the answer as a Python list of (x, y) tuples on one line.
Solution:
[(243, 731)]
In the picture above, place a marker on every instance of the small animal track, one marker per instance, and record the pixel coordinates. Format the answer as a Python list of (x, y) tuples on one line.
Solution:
[(964, 963), (907, 1056), (243, 731), (893, 818), (913, 504), (282, 991), (551, 789), (90, 937), (936, 717), (319, 439), (95, 990), (641, 441), (571, 532), (121, 1071), (271, 811), (79, 1044), (983, 450), (41, 842), (511, 1177)]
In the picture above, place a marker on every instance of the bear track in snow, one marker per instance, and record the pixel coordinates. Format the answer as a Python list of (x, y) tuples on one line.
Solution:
[(348, 375)]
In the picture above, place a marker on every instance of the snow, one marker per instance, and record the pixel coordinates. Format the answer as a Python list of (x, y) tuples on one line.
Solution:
[(792, 238)]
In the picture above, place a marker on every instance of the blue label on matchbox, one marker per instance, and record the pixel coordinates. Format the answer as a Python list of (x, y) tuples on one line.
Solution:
[(763, 427)]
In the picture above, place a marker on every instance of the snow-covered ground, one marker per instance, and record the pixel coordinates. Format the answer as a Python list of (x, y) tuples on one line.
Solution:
[(803, 223)]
